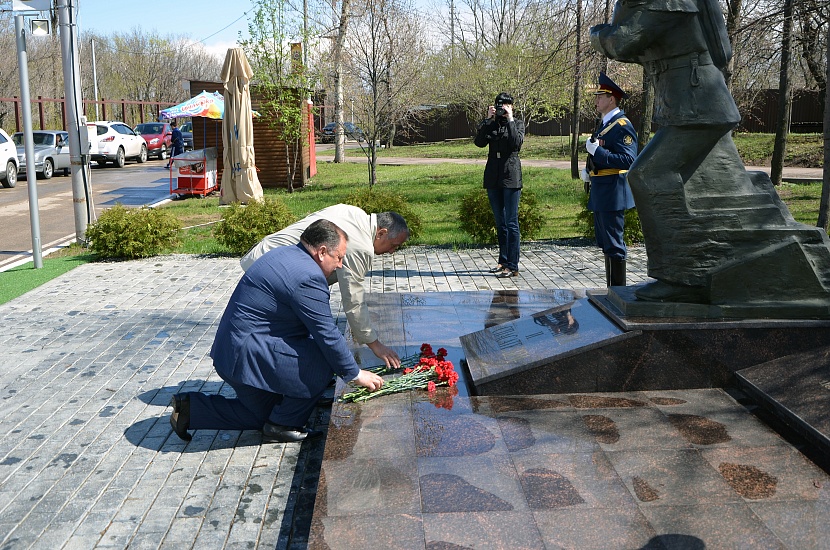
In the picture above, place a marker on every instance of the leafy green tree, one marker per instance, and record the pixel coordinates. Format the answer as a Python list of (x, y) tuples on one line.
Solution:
[(280, 79)]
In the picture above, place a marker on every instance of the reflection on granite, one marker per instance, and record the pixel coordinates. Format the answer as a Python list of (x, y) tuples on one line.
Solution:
[(654, 468), (603, 402), (517, 433), (452, 493), (699, 430), (506, 404), (643, 491), (548, 489), (602, 427), (452, 436), (748, 481)]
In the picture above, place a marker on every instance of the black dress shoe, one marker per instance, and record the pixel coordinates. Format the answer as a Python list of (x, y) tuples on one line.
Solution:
[(506, 274), (180, 418), (496, 269), (274, 433)]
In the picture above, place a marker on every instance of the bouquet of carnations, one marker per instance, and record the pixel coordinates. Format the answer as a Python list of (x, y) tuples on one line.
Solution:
[(428, 372)]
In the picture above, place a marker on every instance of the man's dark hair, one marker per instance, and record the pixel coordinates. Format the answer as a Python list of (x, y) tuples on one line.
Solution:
[(323, 233), (504, 97), (173, 123), (393, 223)]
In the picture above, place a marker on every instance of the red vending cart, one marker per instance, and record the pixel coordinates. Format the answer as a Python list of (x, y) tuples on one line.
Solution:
[(194, 172)]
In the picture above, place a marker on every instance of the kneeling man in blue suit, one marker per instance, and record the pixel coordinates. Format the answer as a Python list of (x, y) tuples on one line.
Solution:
[(277, 345)]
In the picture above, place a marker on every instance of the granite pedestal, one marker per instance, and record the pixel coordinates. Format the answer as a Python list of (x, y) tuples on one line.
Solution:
[(675, 468), (797, 389), (587, 345)]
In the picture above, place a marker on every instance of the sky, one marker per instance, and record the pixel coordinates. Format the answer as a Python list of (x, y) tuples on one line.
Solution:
[(215, 23)]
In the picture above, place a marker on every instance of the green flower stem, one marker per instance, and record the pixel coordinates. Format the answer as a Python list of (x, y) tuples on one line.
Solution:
[(412, 381)]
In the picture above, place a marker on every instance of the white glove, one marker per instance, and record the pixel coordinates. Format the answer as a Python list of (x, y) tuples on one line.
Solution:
[(591, 146), (586, 177)]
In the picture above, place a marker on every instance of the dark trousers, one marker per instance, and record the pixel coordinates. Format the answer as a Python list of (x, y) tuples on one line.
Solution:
[(608, 227), (250, 410), (505, 205)]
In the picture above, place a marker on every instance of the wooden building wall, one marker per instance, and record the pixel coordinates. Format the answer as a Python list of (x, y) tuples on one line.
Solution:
[(269, 151)]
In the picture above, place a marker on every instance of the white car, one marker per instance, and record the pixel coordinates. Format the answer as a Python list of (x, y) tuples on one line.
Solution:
[(8, 160), (116, 142)]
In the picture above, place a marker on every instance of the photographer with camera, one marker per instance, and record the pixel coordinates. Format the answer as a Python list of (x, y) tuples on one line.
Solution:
[(503, 178), (611, 151)]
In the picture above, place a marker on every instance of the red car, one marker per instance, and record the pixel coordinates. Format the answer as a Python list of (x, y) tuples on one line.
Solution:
[(158, 136)]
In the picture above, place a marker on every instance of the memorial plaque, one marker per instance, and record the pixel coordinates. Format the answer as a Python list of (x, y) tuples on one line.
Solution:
[(797, 389), (527, 343)]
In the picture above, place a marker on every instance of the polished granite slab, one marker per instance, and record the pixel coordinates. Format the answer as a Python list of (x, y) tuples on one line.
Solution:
[(641, 469), (585, 345), (797, 389)]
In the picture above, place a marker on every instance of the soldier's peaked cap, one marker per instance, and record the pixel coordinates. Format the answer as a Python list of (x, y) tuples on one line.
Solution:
[(607, 86)]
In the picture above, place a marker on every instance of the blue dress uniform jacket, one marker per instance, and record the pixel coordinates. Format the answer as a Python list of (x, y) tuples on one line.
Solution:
[(609, 188), (277, 333)]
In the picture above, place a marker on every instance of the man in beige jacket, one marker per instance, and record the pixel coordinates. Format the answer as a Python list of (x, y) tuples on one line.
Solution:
[(369, 234)]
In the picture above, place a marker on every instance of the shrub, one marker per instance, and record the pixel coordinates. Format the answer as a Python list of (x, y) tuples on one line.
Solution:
[(243, 226), (476, 217), (133, 233), (373, 201), (632, 234)]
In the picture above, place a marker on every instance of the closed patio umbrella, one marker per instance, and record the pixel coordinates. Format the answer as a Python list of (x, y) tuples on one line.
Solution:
[(239, 178)]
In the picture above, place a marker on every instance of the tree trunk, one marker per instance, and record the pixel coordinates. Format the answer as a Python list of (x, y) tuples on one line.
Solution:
[(824, 207), (339, 138), (648, 113), (784, 98), (288, 167), (373, 164), (577, 94), (733, 20), (609, 12)]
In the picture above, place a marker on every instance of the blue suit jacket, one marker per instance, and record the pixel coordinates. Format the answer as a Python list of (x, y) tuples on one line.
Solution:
[(277, 332), (611, 192)]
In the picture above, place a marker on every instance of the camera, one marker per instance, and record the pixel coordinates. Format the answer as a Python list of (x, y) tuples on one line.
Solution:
[(500, 111)]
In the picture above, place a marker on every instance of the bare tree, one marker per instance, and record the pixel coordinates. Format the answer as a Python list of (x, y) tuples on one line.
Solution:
[(577, 100), (784, 98), (387, 59), (339, 44), (824, 206), (524, 47), (281, 80)]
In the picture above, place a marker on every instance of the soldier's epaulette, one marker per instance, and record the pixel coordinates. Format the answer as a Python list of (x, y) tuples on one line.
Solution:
[(623, 122)]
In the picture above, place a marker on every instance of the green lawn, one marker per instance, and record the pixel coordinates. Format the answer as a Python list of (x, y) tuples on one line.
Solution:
[(432, 191)]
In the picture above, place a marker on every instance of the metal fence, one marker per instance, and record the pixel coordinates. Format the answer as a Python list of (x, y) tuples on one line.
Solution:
[(807, 116), (50, 113)]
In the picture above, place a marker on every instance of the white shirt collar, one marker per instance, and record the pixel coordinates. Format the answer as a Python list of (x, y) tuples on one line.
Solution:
[(611, 114)]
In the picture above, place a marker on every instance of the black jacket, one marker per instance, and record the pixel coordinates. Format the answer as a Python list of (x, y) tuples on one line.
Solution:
[(504, 169)]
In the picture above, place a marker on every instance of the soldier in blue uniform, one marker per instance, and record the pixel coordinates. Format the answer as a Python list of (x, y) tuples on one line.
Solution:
[(611, 151)]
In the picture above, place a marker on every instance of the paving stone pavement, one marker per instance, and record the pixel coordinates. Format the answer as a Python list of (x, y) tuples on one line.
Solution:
[(92, 358)]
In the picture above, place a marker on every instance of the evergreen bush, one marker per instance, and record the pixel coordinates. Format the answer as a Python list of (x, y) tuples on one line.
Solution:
[(476, 216), (632, 234), (133, 233), (374, 201), (243, 226)]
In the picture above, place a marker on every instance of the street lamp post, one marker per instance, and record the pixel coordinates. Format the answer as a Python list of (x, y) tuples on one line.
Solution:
[(28, 141)]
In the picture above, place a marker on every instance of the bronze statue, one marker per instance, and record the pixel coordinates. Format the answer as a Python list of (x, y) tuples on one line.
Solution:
[(714, 233)]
